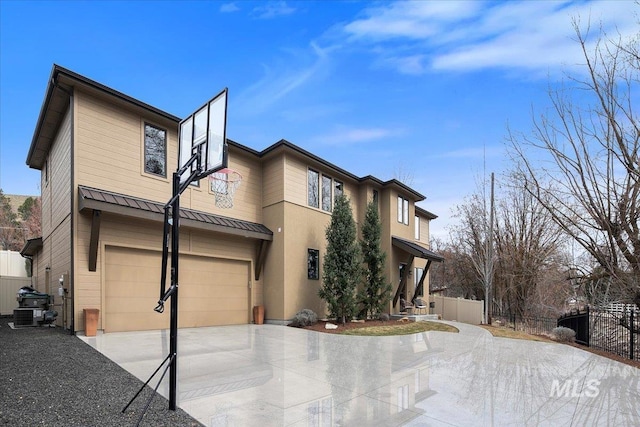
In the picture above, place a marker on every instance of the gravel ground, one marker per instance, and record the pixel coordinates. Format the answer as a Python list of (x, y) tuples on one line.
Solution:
[(51, 378)]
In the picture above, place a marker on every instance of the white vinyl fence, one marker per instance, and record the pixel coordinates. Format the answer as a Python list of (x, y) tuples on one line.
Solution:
[(458, 309), (9, 287)]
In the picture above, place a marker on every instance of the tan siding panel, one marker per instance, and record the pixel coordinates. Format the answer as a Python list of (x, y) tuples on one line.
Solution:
[(109, 150), (273, 181)]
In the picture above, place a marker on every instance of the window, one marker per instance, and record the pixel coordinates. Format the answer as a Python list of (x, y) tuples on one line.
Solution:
[(321, 192), (416, 277), (375, 197), (313, 193), (326, 194), (46, 171), (417, 226), (313, 264), (155, 150), (403, 397), (403, 210), (338, 188)]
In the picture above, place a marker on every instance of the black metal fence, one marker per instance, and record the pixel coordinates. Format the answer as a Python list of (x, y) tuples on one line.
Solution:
[(530, 325), (613, 331)]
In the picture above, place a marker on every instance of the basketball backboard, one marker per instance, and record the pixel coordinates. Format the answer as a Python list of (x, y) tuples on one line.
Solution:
[(205, 130)]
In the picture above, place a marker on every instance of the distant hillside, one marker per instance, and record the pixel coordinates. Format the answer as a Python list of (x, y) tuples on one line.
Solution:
[(16, 200)]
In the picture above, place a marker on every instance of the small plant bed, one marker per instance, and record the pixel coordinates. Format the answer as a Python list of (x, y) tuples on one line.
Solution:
[(381, 328)]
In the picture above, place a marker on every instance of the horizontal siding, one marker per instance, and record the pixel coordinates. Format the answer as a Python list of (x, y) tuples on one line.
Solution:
[(109, 150), (295, 181), (273, 181), (247, 198), (60, 173)]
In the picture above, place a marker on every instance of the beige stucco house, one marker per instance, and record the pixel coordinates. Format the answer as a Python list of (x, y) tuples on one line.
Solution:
[(106, 161)]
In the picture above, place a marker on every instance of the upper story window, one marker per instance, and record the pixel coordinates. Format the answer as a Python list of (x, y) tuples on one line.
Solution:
[(403, 210), (313, 188), (417, 227), (155, 150), (326, 194), (322, 190), (338, 188), (46, 171), (376, 197)]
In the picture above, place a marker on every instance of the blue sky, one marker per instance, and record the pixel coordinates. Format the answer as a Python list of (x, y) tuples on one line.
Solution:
[(392, 89)]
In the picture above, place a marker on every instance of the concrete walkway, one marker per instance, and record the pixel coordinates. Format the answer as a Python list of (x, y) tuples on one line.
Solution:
[(280, 376)]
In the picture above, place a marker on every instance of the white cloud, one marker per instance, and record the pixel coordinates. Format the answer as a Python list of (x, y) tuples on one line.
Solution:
[(464, 36), (273, 9), (229, 8), (344, 135), (276, 84)]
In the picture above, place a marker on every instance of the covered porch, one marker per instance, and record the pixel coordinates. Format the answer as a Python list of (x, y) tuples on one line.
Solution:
[(403, 298)]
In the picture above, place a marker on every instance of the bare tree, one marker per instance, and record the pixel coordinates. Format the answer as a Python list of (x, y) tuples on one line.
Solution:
[(527, 247), (11, 232), (473, 236), (582, 160)]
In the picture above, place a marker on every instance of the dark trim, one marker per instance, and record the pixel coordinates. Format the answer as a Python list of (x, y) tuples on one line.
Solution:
[(94, 199), (95, 238), (31, 247), (72, 276), (425, 213), (260, 257), (420, 287), (403, 283), (415, 249)]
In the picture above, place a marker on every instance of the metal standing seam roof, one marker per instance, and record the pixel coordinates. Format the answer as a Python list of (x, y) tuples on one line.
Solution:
[(96, 199), (416, 250)]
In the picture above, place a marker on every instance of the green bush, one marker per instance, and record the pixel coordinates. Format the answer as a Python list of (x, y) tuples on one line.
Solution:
[(304, 318)]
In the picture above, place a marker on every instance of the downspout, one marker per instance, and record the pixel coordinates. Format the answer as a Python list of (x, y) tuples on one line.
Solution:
[(72, 328)]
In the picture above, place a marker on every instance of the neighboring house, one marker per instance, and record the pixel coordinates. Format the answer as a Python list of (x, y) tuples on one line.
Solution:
[(106, 162)]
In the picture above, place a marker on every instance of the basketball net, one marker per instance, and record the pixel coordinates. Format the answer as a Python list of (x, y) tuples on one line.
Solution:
[(224, 184)]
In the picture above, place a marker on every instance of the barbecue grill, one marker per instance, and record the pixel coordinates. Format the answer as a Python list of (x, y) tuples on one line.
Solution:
[(34, 308)]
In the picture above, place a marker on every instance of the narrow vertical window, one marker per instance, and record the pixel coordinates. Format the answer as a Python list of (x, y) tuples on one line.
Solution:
[(375, 197), (399, 209), (417, 226), (326, 193), (313, 193), (155, 150), (338, 188), (313, 264), (405, 212), (46, 171)]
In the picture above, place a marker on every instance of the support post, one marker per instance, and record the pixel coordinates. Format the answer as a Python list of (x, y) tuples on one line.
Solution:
[(173, 334)]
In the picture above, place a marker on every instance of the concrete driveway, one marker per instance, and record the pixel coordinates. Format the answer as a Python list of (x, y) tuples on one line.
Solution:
[(271, 375)]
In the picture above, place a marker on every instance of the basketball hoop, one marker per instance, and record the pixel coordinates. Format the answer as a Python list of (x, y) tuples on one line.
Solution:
[(224, 184)]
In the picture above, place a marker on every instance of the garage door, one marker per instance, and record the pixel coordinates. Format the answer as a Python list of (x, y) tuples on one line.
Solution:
[(212, 291)]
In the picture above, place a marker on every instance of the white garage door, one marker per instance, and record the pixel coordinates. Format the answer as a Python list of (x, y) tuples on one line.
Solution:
[(212, 292)]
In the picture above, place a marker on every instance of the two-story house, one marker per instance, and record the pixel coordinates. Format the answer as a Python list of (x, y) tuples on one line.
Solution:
[(106, 161)]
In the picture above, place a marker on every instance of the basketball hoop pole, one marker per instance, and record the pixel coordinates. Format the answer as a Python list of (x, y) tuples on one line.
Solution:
[(174, 205), (204, 134)]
